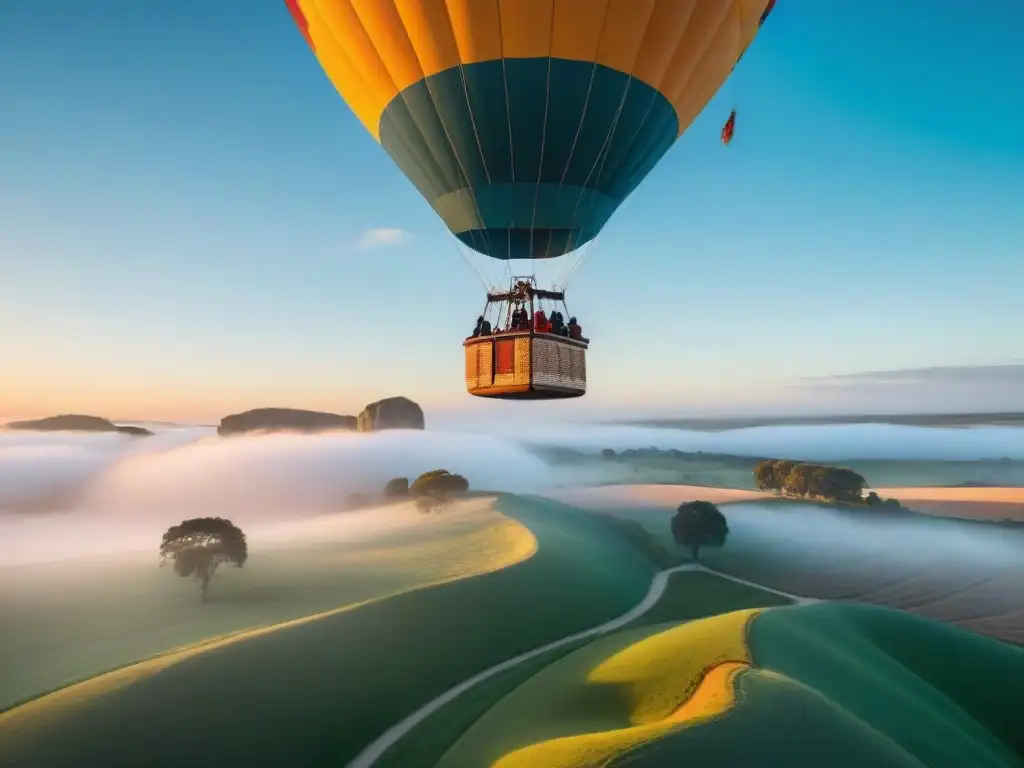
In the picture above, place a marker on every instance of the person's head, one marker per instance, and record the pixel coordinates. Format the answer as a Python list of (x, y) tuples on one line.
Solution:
[(480, 320), (572, 321)]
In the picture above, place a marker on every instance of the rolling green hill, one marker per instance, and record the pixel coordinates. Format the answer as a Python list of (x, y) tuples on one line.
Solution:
[(315, 692), (826, 684)]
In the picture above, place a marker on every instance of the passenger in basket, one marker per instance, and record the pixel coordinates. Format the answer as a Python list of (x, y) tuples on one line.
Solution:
[(557, 323), (575, 332), (540, 322), (520, 322), (485, 327), (479, 326)]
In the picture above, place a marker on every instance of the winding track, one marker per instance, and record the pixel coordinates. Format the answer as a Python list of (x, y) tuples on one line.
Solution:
[(391, 736)]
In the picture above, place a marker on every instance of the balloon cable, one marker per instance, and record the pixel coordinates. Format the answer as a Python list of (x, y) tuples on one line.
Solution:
[(601, 155), (458, 160), (543, 141), (579, 128), (508, 121)]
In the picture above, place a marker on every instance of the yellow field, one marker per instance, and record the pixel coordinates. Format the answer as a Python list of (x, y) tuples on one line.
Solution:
[(969, 502), (495, 543), (612, 696)]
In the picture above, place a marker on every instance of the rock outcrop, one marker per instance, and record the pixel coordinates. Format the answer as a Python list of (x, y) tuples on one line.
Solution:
[(284, 420), (74, 422), (391, 413)]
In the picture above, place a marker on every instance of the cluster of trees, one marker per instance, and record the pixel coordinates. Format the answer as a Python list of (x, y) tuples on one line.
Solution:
[(432, 491), (819, 481), (816, 481), (699, 524), (669, 453)]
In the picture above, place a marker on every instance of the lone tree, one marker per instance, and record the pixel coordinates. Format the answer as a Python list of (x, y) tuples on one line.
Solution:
[(699, 524), (197, 546), (433, 490)]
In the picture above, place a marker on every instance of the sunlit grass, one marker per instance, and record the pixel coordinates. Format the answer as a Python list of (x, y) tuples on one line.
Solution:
[(499, 543), (613, 695), (315, 692)]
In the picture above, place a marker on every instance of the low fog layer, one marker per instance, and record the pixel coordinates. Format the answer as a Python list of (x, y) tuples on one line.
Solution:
[(826, 442), (967, 574), (853, 538), (65, 494)]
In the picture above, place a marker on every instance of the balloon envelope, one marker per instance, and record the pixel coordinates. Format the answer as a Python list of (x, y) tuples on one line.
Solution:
[(526, 123)]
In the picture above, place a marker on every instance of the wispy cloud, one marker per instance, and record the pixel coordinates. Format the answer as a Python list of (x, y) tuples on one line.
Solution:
[(382, 237), (972, 375), (935, 389)]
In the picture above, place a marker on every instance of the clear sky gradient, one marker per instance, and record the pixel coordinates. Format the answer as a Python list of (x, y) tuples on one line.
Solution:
[(185, 204)]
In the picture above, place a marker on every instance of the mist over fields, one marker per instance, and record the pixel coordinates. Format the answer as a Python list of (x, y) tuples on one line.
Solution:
[(68, 494), (826, 442)]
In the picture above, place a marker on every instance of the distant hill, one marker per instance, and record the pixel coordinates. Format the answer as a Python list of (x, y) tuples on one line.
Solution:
[(390, 413), (1006, 418), (284, 420), (73, 422)]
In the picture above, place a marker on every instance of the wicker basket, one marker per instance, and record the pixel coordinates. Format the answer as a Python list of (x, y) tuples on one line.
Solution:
[(526, 366)]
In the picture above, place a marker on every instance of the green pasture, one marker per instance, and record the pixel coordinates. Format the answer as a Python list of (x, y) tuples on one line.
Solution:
[(851, 686), (688, 595), (316, 693), (69, 620)]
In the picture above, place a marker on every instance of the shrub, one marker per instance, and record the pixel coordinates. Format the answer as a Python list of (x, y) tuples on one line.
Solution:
[(396, 488)]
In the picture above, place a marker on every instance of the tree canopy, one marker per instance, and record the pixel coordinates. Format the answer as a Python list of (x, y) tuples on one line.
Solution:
[(196, 547), (699, 524), (434, 489), (396, 488), (439, 482), (809, 480)]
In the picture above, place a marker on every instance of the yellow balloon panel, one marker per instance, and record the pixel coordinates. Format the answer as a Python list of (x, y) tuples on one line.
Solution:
[(372, 50)]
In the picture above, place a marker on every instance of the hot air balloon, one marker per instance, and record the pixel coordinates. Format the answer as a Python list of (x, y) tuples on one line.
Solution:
[(525, 124)]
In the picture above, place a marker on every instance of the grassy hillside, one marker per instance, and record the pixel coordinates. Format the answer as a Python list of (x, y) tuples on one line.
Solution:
[(936, 690), (688, 595), (824, 684), (314, 693), (66, 621), (850, 686), (610, 696)]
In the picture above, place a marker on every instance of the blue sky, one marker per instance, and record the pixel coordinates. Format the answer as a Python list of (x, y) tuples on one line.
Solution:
[(185, 200)]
